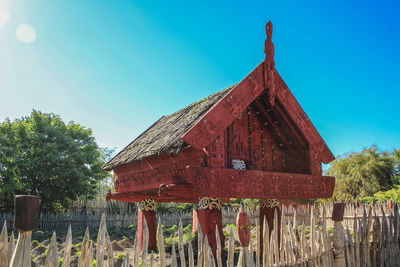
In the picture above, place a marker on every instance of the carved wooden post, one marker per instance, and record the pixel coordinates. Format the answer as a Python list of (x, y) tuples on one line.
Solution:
[(243, 231), (338, 235), (194, 221), (267, 210), (26, 220), (147, 209), (210, 215)]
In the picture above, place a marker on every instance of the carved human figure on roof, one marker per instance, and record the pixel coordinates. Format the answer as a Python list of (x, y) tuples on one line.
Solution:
[(269, 64)]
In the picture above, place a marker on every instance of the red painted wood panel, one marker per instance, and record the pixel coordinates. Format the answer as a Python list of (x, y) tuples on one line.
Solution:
[(148, 174), (255, 142), (239, 139), (216, 152), (229, 183)]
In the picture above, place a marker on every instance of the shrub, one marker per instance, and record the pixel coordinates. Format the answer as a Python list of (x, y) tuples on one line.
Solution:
[(171, 230), (120, 256), (187, 229)]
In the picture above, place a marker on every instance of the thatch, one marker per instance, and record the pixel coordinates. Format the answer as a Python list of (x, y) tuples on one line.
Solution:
[(166, 134)]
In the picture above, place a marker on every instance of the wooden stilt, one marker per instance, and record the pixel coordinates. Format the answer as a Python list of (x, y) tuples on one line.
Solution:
[(267, 211), (147, 210), (210, 216)]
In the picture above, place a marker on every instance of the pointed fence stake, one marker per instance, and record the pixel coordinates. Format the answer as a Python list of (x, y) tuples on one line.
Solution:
[(4, 260), (200, 245), (191, 255), (84, 249), (258, 247), (125, 262), (173, 256), (11, 246), (22, 256), (152, 260), (101, 238), (109, 249), (266, 248), (231, 248), (137, 252), (180, 244), (219, 252), (145, 241), (160, 243)]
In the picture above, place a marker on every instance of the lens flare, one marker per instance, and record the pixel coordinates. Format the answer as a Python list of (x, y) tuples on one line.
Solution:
[(26, 33)]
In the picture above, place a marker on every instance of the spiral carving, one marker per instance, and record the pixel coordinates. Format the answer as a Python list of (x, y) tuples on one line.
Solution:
[(269, 203), (148, 204), (209, 203)]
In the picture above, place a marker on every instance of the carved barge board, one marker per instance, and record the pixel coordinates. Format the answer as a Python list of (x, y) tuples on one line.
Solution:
[(226, 110), (303, 122)]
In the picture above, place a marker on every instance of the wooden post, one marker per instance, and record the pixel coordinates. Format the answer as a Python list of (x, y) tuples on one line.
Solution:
[(267, 210), (210, 216), (194, 221), (147, 209), (26, 220), (338, 235), (243, 231)]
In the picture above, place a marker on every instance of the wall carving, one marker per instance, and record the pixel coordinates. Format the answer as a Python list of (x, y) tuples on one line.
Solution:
[(269, 64), (238, 164), (269, 203), (209, 203), (147, 204), (217, 153), (229, 183)]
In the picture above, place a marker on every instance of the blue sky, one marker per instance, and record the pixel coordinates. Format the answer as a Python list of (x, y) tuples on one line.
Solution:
[(117, 66)]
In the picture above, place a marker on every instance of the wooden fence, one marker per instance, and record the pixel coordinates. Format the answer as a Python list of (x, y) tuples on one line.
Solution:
[(372, 241), (76, 218), (52, 221)]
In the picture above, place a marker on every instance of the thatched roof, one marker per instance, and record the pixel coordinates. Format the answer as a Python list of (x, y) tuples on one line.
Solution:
[(165, 134)]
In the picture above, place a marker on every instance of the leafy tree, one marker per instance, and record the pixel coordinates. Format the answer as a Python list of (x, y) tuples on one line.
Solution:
[(362, 174), (41, 155), (396, 171), (392, 194)]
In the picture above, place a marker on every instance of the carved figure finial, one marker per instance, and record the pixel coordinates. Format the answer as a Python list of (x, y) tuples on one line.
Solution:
[(269, 69), (268, 30)]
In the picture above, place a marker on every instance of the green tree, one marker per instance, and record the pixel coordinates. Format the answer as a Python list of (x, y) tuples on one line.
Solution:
[(396, 171), (41, 155), (362, 174)]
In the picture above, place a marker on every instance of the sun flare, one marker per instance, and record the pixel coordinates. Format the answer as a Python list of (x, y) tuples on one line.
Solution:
[(26, 33)]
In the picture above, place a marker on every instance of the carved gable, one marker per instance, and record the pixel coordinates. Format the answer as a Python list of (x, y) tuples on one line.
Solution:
[(250, 139)]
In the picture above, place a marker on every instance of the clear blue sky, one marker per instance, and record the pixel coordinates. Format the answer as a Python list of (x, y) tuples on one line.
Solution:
[(117, 66)]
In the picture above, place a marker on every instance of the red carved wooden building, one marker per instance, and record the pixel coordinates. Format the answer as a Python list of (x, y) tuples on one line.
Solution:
[(251, 140)]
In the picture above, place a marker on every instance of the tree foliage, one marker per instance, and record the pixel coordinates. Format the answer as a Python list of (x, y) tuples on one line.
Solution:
[(365, 173), (41, 155)]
